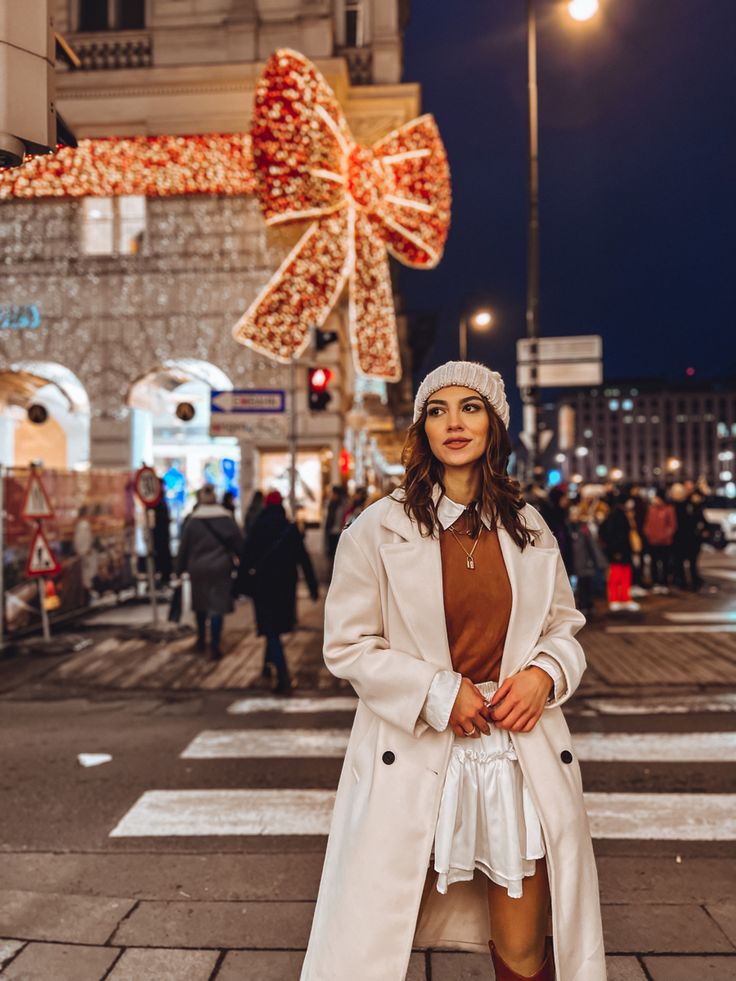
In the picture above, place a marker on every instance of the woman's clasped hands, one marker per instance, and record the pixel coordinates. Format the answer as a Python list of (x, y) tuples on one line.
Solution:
[(517, 705)]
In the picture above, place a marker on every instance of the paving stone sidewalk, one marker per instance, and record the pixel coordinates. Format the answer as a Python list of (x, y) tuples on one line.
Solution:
[(243, 916)]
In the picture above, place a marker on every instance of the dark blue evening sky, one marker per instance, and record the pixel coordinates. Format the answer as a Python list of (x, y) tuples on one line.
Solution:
[(637, 169)]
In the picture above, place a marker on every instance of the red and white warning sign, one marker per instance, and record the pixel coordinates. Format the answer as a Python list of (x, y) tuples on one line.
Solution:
[(42, 561), (148, 486), (36, 503)]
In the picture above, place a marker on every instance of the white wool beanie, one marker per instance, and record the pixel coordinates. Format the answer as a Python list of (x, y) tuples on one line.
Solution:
[(468, 374)]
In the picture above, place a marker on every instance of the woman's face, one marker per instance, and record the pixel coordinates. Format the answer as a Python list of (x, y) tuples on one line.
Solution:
[(457, 426)]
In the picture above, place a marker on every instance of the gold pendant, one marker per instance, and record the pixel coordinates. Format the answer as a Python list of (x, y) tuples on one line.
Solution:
[(470, 562)]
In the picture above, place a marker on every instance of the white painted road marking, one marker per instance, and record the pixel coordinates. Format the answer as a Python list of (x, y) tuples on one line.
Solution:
[(194, 813), (653, 747), (184, 813), (668, 705), (725, 616), (267, 743), (269, 703), (671, 628), (663, 817)]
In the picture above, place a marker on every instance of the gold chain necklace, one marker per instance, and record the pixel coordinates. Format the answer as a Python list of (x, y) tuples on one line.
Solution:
[(469, 560)]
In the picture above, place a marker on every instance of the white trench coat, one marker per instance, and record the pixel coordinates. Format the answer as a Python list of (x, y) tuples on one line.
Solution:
[(385, 633)]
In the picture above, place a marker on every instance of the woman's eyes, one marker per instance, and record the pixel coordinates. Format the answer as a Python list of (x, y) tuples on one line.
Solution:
[(471, 406)]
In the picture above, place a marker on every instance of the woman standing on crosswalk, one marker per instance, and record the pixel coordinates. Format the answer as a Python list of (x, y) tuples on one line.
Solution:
[(459, 815)]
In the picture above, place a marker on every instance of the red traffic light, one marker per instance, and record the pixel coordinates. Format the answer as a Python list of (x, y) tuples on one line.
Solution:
[(319, 379), (319, 397)]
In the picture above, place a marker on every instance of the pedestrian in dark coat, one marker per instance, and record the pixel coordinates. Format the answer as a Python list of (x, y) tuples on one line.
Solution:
[(615, 537), (688, 536), (209, 549), (272, 552)]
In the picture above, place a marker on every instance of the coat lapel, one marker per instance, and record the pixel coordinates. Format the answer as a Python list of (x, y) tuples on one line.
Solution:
[(532, 577), (414, 570)]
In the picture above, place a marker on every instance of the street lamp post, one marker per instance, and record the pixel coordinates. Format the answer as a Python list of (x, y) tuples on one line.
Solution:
[(481, 320), (530, 395), (580, 10)]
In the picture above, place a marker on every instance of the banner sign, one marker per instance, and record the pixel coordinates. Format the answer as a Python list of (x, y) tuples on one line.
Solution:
[(91, 533)]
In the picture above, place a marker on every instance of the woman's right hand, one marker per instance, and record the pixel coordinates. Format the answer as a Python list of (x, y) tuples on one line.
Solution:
[(467, 711)]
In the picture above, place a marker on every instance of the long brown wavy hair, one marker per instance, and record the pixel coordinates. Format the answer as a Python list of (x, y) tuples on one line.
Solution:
[(500, 496)]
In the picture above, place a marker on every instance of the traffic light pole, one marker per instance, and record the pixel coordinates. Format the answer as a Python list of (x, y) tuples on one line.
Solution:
[(292, 438)]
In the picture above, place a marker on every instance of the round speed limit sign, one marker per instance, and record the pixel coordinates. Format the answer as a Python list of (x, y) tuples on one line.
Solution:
[(148, 487)]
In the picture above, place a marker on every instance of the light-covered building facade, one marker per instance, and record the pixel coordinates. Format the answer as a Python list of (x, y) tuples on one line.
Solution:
[(116, 310)]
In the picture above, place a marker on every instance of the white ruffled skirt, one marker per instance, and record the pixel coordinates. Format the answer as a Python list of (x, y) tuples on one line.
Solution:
[(487, 819)]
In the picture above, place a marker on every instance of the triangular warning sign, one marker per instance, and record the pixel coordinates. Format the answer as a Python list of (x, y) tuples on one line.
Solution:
[(36, 504), (42, 561)]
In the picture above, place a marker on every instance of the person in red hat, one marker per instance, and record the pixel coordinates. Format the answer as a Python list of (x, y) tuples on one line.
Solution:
[(273, 552)]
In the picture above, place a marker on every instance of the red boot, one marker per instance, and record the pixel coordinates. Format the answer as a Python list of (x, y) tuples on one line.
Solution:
[(504, 973)]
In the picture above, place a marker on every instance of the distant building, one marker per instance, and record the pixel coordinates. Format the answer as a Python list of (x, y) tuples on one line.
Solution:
[(124, 304), (649, 431)]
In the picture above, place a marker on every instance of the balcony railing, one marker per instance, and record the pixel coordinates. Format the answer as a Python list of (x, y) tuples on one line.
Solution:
[(109, 50)]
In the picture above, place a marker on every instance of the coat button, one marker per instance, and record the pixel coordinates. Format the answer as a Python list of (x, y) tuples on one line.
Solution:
[(388, 757), (566, 756)]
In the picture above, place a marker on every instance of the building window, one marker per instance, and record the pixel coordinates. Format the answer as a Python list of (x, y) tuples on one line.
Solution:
[(112, 15), (613, 405), (354, 30), (113, 226)]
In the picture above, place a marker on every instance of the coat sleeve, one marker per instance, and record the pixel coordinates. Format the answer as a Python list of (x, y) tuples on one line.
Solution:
[(392, 683), (557, 638)]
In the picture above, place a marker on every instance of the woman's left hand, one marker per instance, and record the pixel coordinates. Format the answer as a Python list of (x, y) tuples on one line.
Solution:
[(518, 704)]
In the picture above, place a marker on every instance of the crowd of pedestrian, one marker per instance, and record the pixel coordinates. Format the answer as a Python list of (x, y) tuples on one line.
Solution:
[(622, 543)]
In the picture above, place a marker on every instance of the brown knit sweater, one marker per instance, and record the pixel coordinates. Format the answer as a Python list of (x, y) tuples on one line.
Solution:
[(477, 602)]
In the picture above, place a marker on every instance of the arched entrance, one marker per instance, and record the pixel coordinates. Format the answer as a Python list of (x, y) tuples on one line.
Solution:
[(171, 430), (44, 416)]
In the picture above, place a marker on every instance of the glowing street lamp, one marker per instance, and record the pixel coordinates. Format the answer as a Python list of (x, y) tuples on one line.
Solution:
[(479, 320), (580, 10), (583, 9)]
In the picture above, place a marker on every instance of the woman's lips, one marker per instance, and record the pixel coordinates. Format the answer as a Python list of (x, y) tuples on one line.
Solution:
[(456, 444)]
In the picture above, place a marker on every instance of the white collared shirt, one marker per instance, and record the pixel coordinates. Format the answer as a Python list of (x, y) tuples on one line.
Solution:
[(446, 684)]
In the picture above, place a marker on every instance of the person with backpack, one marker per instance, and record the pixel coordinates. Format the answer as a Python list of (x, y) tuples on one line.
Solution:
[(272, 553), (210, 544)]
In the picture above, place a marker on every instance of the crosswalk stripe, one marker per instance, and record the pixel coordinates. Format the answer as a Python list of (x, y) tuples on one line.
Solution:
[(662, 817), (685, 747), (185, 813), (704, 616), (194, 813), (672, 628), (667, 705), (337, 703), (267, 743)]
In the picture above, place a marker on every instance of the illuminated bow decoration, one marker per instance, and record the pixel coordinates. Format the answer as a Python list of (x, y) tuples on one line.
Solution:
[(366, 202)]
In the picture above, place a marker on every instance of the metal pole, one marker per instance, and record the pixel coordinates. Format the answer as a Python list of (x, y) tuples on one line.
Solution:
[(44, 611), (531, 396), (150, 518), (292, 438), (463, 338)]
